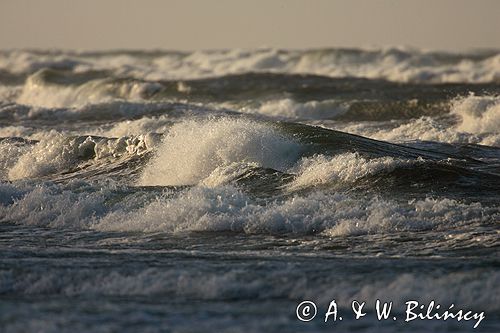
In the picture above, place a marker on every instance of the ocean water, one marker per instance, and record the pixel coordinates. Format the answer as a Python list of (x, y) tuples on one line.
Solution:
[(214, 191)]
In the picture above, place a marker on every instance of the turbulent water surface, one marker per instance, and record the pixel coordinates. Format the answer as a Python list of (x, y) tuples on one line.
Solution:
[(214, 191)]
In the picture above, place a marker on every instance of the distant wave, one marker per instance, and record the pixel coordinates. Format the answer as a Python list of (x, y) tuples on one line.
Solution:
[(477, 122), (394, 64)]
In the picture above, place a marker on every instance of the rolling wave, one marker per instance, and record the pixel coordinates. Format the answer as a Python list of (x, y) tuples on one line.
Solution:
[(394, 64), (235, 148), (230, 150)]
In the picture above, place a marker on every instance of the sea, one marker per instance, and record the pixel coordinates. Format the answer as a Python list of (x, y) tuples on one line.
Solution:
[(259, 190)]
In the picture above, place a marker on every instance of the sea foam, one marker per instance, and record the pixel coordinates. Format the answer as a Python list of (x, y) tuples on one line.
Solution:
[(192, 150), (37, 91), (225, 208), (479, 114), (292, 110), (59, 153), (396, 64), (477, 122), (343, 168)]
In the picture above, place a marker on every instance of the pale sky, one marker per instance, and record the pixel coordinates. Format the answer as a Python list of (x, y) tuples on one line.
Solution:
[(217, 24)]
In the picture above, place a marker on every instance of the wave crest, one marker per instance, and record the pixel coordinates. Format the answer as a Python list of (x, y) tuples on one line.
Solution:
[(59, 153), (192, 150), (479, 114), (395, 64)]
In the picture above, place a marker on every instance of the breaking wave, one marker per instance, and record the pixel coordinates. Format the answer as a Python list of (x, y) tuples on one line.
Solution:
[(192, 150), (209, 176), (475, 121), (395, 64), (225, 208), (60, 154)]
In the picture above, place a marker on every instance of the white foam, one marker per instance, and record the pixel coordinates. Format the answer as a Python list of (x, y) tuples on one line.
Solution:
[(385, 216), (478, 122), (192, 150), (389, 63), (48, 156), (37, 92), (52, 206), (228, 209), (10, 152), (136, 127), (345, 168), (479, 114), (58, 153), (424, 128), (23, 61), (397, 64), (472, 129), (226, 173), (225, 208), (289, 109)]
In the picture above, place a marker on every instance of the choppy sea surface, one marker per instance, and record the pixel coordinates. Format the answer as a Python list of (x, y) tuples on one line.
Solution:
[(214, 191)]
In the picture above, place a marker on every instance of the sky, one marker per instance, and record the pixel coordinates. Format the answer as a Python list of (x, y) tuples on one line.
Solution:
[(222, 24)]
